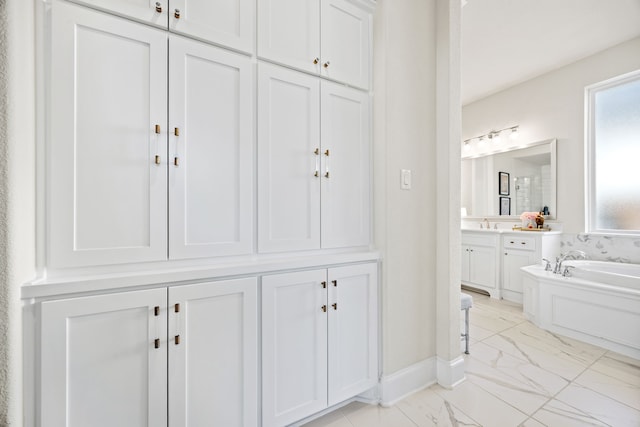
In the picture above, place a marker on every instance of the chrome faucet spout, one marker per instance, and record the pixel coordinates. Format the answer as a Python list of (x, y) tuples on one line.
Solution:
[(572, 254)]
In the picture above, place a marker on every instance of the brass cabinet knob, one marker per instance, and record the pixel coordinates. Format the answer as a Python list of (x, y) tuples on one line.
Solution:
[(326, 64), (177, 13), (158, 7), (316, 60)]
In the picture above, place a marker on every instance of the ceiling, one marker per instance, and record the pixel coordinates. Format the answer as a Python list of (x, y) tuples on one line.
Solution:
[(506, 42)]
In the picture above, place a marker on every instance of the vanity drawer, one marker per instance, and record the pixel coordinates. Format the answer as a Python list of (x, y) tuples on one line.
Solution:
[(518, 242)]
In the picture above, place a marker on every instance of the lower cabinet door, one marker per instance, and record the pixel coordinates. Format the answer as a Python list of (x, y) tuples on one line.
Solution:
[(294, 346), (213, 354), (511, 274), (104, 360), (353, 331)]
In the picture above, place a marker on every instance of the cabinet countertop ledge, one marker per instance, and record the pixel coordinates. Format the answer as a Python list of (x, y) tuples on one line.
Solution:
[(178, 273)]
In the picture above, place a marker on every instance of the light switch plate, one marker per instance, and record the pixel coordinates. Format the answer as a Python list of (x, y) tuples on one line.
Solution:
[(405, 179)]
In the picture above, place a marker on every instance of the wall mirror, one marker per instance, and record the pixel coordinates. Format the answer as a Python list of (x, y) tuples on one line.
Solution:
[(531, 172)]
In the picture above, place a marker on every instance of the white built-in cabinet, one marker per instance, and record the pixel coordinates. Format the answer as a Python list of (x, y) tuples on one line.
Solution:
[(119, 359), (111, 143), (331, 38), (319, 340), (313, 162), (166, 139), (229, 23)]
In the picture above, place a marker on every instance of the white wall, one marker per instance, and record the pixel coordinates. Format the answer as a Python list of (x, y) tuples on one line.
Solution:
[(17, 193), (404, 134), (552, 106), (416, 127)]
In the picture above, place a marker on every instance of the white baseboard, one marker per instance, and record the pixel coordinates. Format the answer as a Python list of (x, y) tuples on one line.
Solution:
[(450, 373), (399, 385)]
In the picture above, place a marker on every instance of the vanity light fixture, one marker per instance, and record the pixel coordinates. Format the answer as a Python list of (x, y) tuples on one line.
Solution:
[(494, 136)]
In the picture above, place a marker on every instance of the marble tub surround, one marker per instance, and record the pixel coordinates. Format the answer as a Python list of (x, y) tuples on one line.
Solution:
[(601, 247), (517, 375)]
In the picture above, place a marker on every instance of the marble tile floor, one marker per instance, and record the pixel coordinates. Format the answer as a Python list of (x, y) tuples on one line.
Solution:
[(517, 375)]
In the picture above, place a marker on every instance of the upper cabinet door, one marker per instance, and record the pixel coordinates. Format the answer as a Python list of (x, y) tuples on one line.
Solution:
[(154, 12), (211, 151), (106, 160), (345, 166), (346, 49), (229, 23), (288, 160), (289, 33)]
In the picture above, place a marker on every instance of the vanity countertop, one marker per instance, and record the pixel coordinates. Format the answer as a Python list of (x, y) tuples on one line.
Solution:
[(507, 231)]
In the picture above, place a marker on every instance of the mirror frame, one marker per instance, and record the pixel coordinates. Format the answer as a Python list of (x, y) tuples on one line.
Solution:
[(553, 170)]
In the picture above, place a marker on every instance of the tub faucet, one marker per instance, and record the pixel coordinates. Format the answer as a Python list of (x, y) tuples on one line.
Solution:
[(572, 254)]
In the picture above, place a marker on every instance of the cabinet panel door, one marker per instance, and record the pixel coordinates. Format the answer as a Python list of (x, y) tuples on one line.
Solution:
[(107, 196), (99, 364), (288, 137), (353, 331), (482, 266), (213, 365), (230, 23), (211, 182), (465, 263), (294, 346), (289, 33), (345, 192), (346, 33), (154, 12), (511, 275)]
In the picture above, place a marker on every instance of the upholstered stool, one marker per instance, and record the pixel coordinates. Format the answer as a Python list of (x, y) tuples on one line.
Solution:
[(466, 302)]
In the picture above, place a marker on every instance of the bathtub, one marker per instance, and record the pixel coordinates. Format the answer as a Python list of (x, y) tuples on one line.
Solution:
[(598, 304)]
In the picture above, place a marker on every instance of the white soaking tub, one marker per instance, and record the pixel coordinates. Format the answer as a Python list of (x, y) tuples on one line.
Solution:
[(598, 304)]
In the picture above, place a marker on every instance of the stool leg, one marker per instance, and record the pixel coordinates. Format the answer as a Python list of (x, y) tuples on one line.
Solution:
[(466, 331)]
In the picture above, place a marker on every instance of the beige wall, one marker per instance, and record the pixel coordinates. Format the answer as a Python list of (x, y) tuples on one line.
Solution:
[(405, 135), (552, 106)]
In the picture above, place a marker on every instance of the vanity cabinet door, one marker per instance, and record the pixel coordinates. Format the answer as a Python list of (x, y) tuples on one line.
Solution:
[(482, 266), (213, 354), (106, 155), (104, 360), (511, 274)]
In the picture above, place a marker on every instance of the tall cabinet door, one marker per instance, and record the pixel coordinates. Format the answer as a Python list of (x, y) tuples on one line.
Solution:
[(353, 331), (106, 161), (288, 160), (346, 49), (211, 151), (100, 365), (294, 346), (289, 33), (345, 166), (230, 23), (213, 354)]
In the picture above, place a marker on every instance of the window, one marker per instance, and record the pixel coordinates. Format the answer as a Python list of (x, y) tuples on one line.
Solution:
[(613, 155)]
